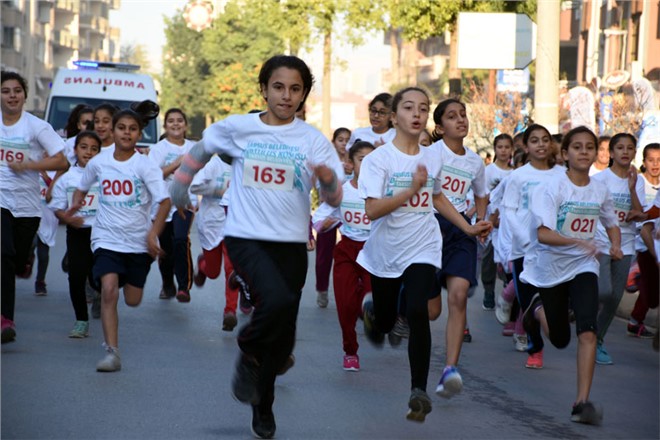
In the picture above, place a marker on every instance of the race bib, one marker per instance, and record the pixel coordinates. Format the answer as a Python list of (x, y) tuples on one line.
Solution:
[(11, 152), (455, 182), (90, 203), (121, 191), (262, 174), (621, 215), (579, 225), (421, 202), (353, 215)]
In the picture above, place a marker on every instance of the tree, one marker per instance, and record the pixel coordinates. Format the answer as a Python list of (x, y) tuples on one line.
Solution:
[(135, 54)]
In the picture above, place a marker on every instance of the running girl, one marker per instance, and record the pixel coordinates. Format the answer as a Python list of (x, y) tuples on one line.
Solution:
[(462, 171), (516, 216), (29, 145), (401, 184), (627, 189), (103, 117), (380, 131), (350, 281), (275, 157), (80, 119), (124, 240), (212, 183), (78, 228), (567, 210), (175, 238)]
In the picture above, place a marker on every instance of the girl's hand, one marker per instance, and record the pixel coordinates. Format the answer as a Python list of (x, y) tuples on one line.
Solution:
[(636, 216), (588, 246), (328, 222), (616, 253), (481, 229), (324, 174), (379, 142), (311, 244), (419, 178), (76, 222), (153, 246), (632, 178), (18, 167)]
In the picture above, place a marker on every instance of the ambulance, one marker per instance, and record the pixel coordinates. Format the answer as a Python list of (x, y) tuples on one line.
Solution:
[(95, 83)]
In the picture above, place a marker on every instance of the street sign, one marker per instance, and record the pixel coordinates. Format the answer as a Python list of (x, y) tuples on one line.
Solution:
[(513, 80), (495, 40)]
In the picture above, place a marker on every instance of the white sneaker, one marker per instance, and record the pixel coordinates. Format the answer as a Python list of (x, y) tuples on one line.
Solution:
[(520, 341), (111, 362), (502, 309), (322, 299)]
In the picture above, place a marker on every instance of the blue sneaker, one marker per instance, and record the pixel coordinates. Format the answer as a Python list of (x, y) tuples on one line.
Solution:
[(602, 356), (450, 383)]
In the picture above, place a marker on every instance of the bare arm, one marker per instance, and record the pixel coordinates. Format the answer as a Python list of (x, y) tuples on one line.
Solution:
[(157, 228), (446, 209), (377, 208), (51, 163), (331, 190)]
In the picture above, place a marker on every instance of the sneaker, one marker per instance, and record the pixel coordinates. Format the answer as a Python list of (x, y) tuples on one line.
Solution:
[(502, 310), (399, 332), (288, 364), (489, 301), (183, 296), (530, 323), (244, 305), (508, 329), (535, 360), (80, 330), (263, 422), (602, 356), (229, 321), (351, 363), (587, 412), (199, 278), (246, 380), (167, 292), (322, 299), (450, 383), (111, 362), (467, 337), (639, 331), (369, 321), (96, 305), (632, 283), (40, 288), (8, 330), (419, 405), (520, 342)]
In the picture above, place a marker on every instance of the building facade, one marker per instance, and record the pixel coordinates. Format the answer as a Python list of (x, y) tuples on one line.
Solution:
[(40, 36)]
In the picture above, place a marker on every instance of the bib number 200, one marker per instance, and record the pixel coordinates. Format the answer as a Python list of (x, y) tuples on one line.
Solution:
[(117, 187)]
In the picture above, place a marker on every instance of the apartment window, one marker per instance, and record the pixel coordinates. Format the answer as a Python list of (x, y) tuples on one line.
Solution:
[(17, 40), (41, 51)]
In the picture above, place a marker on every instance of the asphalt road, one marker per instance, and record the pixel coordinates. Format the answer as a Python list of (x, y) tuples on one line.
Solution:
[(177, 366)]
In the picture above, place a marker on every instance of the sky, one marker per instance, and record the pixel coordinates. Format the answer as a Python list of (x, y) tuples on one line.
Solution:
[(139, 18)]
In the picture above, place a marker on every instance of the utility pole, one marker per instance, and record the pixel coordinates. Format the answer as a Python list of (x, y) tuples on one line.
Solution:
[(546, 89)]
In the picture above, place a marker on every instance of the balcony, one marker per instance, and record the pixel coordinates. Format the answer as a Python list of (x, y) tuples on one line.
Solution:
[(71, 6), (96, 24), (65, 39)]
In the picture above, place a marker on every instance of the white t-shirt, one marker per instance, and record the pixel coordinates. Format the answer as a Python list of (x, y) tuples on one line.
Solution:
[(109, 149), (410, 234), (69, 150), (128, 189), (593, 170), (351, 214), (650, 192), (63, 191), (620, 193), (211, 218), (500, 236), (47, 231), (573, 211), (28, 139), (272, 175), (494, 175), (515, 209), (163, 154), (368, 134), (459, 174)]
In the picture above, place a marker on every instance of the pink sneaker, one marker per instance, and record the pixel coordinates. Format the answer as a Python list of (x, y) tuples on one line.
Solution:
[(8, 330), (535, 361), (508, 328), (351, 363)]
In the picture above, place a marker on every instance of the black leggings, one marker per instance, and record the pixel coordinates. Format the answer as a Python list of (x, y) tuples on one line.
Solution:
[(525, 292), (580, 294), (276, 274), (419, 283), (81, 261), (17, 236)]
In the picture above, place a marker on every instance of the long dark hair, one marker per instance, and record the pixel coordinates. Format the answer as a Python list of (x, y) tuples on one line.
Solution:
[(290, 62)]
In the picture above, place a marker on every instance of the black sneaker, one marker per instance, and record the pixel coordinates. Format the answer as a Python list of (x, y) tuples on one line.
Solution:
[(369, 320), (489, 301), (419, 405), (400, 331), (639, 331), (167, 292), (588, 413), (263, 422), (246, 380), (530, 323)]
